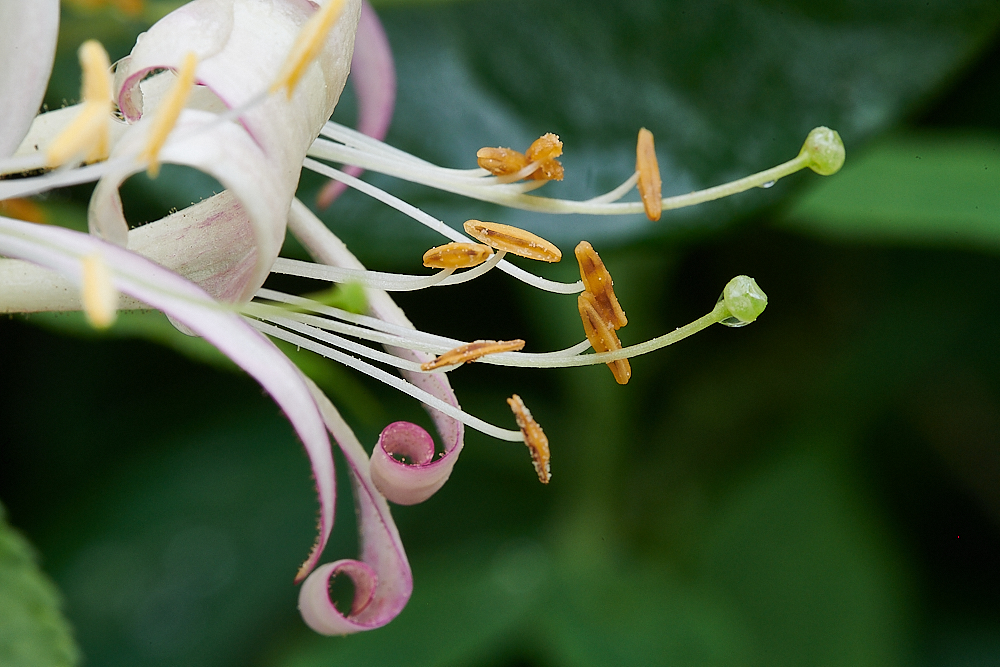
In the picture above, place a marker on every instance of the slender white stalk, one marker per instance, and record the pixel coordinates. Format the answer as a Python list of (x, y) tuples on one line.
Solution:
[(393, 381)]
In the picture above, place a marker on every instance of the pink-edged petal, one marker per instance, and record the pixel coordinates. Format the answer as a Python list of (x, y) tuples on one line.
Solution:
[(260, 199), (61, 250), (28, 31), (373, 76), (402, 483), (382, 580), (411, 482)]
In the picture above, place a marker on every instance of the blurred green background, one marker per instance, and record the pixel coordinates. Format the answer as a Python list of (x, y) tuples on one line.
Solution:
[(818, 489)]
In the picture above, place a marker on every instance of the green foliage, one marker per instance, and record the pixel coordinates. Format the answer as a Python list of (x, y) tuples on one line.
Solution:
[(33, 631)]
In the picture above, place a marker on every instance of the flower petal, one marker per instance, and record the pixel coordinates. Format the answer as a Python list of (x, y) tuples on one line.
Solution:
[(62, 250), (373, 75), (401, 483), (383, 580), (28, 32)]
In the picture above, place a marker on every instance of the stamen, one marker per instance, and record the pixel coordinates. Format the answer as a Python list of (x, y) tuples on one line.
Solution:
[(534, 438), (307, 46), (471, 352), (597, 281), (546, 147), (87, 136), (513, 240), (98, 293), (649, 175), (602, 336), (170, 111), (457, 256), (501, 161)]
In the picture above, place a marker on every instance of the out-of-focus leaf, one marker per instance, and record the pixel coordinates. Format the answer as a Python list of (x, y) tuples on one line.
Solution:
[(941, 189), (33, 632), (728, 87)]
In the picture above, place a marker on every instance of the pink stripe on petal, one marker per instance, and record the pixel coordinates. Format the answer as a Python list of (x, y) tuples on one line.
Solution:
[(373, 76), (61, 250)]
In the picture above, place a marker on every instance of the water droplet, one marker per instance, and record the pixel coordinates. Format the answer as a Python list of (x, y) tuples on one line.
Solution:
[(768, 184), (734, 322)]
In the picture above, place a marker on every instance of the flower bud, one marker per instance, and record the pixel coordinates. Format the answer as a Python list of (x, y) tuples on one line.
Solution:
[(825, 150), (744, 300)]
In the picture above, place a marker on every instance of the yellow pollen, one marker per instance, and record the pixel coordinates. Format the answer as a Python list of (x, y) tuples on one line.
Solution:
[(98, 293), (87, 136), (597, 281), (501, 161), (649, 175), (513, 240), (457, 255), (541, 155), (472, 351), (307, 46), (534, 438), (602, 336), (169, 112), (22, 209)]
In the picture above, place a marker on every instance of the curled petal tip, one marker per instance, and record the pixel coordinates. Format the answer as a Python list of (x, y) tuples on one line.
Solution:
[(417, 477)]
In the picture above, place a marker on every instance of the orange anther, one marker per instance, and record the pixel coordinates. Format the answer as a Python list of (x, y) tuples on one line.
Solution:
[(513, 240), (501, 161), (545, 147), (597, 281), (549, 170), (601, 336), (472, 351), (457, 255), (534, 438), (649, 175)]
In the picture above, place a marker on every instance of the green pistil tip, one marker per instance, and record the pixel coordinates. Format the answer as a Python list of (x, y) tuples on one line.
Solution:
[(825, 150), (744, 300)]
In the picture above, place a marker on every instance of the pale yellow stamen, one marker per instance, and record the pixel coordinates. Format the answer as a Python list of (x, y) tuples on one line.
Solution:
[(597, 281), (649, 175), (513, 240), (534, 438), (472, 351), (87, 136), (537, 163), (307, 46), (98, 293), (457, 256), (168, 113), (602, 336)]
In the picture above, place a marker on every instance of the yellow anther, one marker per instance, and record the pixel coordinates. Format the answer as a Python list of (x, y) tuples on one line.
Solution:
[(546, 147), (87, 136), (472, 351), (98, 293), (501, 161), (534, 438), (602, 336), (543, 151), (22, 209), (649, 175), (457, 255), (597, 281), (168, 113), (513, 240), (307, 46)]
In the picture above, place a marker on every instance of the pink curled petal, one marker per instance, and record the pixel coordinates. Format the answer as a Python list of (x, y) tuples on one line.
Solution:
[(382, 552), (326, 248), (61, 250), (28, 31), (413, 482), (373, 75)]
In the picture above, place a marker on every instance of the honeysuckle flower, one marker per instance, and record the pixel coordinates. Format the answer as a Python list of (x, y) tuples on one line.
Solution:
[(241, 89)]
